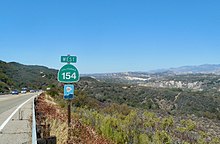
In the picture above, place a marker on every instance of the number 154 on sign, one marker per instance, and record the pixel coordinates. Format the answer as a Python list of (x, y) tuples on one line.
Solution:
[(68, 74)]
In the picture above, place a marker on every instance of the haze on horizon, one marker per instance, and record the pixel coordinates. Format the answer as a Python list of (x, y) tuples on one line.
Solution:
[(111, 36)]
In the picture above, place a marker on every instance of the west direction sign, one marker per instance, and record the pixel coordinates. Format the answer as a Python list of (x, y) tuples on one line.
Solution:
[(68, 91), (68, 59), (68, 74)]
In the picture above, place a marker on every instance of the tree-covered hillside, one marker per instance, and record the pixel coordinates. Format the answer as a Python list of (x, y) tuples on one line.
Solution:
[(15, 76), (124, 113), (172, 101)]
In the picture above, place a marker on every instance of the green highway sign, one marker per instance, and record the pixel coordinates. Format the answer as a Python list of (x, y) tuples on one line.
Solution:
[(68, 74), (68, 59)]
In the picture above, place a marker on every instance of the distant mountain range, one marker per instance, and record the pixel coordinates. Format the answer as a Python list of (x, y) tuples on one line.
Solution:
[(15, 75), (201, 69), (157, 75), (204, 69)]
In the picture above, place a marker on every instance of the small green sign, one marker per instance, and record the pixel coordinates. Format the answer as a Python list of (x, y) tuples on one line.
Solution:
[(68, 59), (68, 74)]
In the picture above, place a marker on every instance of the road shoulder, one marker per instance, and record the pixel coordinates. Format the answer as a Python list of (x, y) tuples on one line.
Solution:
[(18, 129)]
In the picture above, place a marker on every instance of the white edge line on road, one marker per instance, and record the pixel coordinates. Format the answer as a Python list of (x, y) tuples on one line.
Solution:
[(8, 119)]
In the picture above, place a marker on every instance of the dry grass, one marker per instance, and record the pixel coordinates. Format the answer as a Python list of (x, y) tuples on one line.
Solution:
[(58, 129), (57, 118)]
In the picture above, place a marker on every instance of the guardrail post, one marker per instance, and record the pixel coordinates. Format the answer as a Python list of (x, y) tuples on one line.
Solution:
[(41, 132)]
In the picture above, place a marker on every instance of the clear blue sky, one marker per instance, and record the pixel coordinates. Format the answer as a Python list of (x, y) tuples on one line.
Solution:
[(111, 35)]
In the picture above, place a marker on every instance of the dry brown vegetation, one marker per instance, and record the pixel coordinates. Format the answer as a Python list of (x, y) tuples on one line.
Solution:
[(57, 118)]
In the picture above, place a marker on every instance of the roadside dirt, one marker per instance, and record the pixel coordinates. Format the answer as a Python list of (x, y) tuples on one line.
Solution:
[(52, 114)]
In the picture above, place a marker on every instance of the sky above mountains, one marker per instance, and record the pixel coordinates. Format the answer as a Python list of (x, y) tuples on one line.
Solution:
[(111, 36)]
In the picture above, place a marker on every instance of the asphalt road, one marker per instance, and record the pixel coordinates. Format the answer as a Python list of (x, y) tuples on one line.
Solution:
[(18, 129), (9, 101)]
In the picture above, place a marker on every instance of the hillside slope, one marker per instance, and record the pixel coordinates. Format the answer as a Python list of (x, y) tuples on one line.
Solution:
[(174, 101), (15, 76), (117, 114)]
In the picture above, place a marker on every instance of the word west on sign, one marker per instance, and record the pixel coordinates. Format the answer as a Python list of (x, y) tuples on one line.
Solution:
[(68, 59)]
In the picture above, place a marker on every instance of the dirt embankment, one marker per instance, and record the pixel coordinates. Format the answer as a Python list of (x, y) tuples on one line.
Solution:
[(52, 114)]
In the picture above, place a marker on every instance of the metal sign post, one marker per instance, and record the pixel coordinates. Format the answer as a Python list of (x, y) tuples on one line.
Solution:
[(68, 95), (69, 113), (68, 74)]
